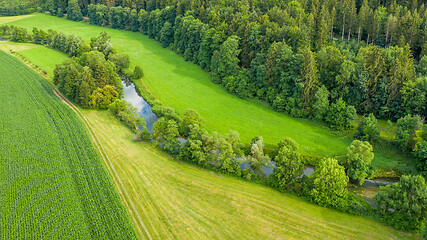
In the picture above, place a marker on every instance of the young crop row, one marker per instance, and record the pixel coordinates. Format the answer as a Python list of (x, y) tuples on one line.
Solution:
[(53, 184)]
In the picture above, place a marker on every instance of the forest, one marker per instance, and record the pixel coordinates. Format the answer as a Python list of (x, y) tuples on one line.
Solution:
[(329, 61), (324, 60)]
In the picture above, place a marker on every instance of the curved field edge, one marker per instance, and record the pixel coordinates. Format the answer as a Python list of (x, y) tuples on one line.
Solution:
[(53, 183), (180, 200), (171, 199), (182, 85), (136, 218)]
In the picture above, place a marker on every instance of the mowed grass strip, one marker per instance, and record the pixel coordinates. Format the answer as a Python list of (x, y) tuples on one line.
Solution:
[(53, 184), (41, 56), (184, 85), (181, 201)]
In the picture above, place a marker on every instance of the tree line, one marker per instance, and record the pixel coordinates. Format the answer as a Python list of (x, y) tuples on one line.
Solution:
[(314, 59), (276, 51), (326, 186)]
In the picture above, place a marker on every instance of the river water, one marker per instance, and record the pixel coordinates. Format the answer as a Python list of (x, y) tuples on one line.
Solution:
[(368, 190), (143, 108)]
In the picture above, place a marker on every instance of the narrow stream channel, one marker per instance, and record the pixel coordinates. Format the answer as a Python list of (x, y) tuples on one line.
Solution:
[(143, 108), (368, 190)]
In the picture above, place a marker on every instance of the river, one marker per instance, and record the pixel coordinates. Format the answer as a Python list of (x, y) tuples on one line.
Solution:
[(368, 190), (143, 108)]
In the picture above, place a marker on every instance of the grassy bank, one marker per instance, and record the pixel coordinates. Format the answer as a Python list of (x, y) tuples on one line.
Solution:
[(179, 200)]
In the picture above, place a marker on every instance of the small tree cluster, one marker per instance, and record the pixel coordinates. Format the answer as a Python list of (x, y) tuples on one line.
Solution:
[(90, 80), (357, 162), (403, 205)]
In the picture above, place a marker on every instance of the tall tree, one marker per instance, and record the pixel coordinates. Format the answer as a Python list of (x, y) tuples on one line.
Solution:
[(288, 165), (329, 184), (363, 18), (225, 61), (309, 77), (73, 11)]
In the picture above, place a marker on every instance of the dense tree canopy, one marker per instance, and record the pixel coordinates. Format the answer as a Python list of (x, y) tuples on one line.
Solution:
[(297, 55), (404, 204), (329, 184)]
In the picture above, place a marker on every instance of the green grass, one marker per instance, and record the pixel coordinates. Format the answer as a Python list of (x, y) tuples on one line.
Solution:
[(183, 85), (182, 201), (53, 184), (43, 57), (13, 18)]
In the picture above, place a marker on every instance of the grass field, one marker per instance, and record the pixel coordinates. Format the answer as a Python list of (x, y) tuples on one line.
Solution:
[(43, 57), (183, 85), (181, 201), (53, 184), (172, 199)]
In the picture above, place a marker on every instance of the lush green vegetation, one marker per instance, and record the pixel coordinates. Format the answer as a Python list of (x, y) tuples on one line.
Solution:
[(13, 8), (54, 184), (220, 152), (249, 117), (403, 205), (178, 200), (182, 85), (284, 52)]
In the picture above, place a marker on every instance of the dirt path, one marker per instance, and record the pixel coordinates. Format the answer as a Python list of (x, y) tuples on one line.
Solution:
[(118, 182)]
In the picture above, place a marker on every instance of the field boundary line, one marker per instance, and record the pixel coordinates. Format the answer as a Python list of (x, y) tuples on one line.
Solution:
[(107, 161)]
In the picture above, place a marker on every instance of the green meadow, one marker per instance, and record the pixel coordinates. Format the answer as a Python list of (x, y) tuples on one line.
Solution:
[(173, 199), (184, 85)]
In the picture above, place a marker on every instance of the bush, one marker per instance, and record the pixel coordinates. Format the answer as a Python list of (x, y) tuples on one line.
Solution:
[(60, 12), (357, 205), (368, 129), (138, 72)]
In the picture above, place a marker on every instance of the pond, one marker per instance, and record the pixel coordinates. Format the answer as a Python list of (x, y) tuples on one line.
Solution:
[(143, 108)]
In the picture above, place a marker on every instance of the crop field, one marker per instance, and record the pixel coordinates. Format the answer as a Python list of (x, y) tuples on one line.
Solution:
[(184, 85), (176, 200), (53, 184)]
